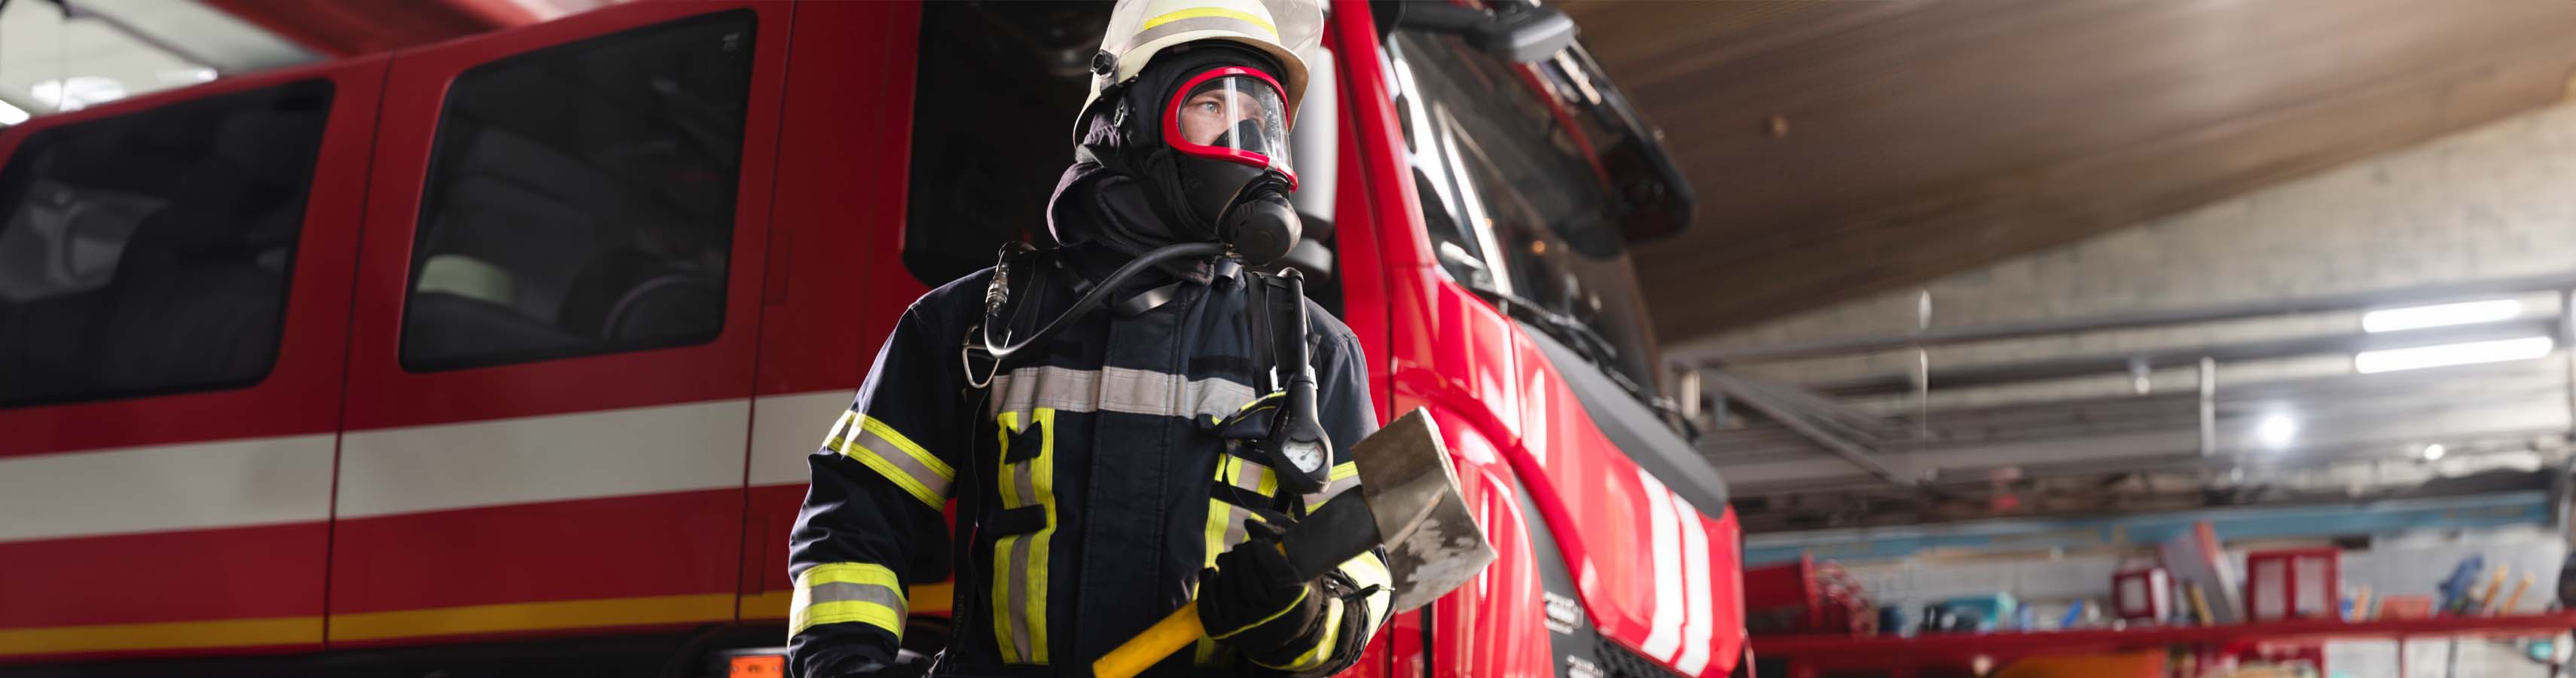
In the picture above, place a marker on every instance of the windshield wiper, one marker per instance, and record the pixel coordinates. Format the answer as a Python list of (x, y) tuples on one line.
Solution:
[(1566, 328), (1588, 343)]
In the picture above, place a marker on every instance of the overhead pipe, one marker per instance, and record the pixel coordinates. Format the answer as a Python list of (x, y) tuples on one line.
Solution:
[(2428, 294)]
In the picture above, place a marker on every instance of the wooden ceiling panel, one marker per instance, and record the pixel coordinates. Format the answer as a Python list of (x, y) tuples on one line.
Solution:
[(1927, 137)]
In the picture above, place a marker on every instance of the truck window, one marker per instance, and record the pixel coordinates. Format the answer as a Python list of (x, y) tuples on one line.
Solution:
[(1518, 202), (149, 252), (598, 222)]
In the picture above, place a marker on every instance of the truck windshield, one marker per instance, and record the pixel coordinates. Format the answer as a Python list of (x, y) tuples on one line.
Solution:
[(1524, 194)]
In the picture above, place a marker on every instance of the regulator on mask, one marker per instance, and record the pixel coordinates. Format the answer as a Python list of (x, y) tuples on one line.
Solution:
[(1206, 130)]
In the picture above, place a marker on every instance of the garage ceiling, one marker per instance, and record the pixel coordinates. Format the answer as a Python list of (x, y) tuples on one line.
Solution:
[(1846, 148)]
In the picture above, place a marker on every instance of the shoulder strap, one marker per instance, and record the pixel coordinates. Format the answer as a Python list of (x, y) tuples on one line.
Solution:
[(1257, 321)]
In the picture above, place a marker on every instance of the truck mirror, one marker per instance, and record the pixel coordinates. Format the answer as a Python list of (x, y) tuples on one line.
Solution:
[(1529, 35), (1523, 35)]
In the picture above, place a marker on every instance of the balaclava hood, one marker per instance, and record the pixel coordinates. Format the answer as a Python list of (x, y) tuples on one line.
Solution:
[(1131, 186)]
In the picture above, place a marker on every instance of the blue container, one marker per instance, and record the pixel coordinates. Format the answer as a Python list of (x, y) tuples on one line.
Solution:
[(1988, 610)]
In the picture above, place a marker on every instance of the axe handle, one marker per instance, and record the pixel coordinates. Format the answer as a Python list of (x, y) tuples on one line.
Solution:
[(1161, 640)]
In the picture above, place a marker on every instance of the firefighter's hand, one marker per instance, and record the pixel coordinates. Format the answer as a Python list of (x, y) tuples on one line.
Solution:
[(1255, 604)]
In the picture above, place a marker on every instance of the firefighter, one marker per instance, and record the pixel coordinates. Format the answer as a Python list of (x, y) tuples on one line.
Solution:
[(1132, 463)]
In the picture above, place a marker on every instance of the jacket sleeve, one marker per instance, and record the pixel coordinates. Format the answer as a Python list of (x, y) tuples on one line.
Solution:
[(872, 520), (1361, 585)]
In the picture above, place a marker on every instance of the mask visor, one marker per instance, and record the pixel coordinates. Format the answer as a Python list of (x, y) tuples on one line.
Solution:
[(1232, 114)]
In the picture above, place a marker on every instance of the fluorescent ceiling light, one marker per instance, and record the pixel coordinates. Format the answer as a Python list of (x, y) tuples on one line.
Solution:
[(2437, 315), (73, 93), (11, 115), (2369, 362), (2276, 431)]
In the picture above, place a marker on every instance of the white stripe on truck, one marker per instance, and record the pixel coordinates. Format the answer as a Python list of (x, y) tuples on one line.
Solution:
[(585, 455), (157, 488), (786, 428)]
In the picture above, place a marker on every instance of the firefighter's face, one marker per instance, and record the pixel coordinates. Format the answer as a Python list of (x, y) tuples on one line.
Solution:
[(1230, 113), (1211, 113)]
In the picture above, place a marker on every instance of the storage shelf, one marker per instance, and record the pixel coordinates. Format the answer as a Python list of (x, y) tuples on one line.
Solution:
[(1887, 651)]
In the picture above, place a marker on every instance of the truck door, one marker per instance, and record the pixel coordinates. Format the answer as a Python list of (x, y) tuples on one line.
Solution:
[(551, 364), (836, 281), (174, 299)]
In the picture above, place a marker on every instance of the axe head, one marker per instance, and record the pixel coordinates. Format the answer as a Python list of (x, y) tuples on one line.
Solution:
[(1433, 543)]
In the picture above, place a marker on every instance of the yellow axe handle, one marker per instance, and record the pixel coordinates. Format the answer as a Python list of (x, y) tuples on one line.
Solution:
[(1141, 652)]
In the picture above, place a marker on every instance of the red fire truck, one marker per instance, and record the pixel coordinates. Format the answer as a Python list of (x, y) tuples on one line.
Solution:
[(506, 351)]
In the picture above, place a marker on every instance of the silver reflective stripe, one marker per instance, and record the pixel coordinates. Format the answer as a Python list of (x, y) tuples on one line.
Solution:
[(894, 454), (1234, 517), (1116, 389), (1204, 23), (1331, 489), (1251, 477), (1019, 598), (846, 592)]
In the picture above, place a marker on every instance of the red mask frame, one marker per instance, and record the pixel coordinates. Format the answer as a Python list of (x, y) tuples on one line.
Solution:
[(1172, 122)]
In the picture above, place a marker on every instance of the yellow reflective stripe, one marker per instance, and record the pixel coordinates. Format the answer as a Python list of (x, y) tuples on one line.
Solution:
[(860, 592), (1009, 424), (1204, 12), (1323, 648), (849, 573), (874, 614), (872, 425), (927, 479), (1218, 512), (1044, 468), (1344, 471), (1002, 602), (1028, 619)]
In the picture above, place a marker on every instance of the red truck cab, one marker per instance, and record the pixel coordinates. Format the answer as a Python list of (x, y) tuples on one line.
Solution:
[(510, 347)]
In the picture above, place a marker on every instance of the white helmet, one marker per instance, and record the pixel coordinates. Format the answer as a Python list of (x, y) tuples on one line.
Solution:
[(1139, 29)]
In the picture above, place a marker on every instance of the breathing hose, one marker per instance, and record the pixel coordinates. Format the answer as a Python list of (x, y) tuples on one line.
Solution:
[(1001, 353)]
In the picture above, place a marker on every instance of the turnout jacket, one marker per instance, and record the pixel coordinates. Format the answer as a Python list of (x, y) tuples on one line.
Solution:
[(1090, 485)]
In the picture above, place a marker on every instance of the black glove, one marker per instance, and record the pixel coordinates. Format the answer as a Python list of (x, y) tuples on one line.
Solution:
[(1255, 604)]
